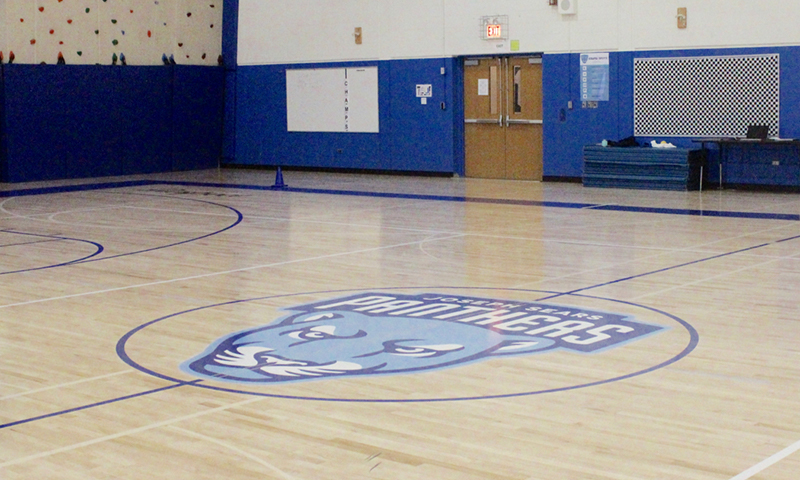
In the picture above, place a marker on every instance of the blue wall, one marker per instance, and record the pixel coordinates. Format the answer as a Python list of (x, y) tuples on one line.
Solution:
[(230, 39), (3, 162), (565, 135), (72, 121), (425, 138), (86, 121), (197, 117), (413, 137)]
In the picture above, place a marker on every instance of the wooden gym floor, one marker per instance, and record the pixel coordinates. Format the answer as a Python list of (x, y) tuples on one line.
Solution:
[(114, 292)]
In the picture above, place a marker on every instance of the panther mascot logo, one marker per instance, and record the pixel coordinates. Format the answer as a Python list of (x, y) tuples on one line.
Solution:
[(380, 334)]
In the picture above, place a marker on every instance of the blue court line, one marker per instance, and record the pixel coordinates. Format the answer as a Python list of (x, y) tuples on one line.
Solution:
[(20, 244), (666, 269), (239, 219), (72, 188), (98, 250), (98, 186), (501, 201), (701, 213), (122, 353), (694, 338), (97, 404), (411, 196)]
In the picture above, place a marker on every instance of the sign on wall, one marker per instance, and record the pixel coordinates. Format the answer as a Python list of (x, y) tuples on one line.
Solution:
[(332, 100), (494, 27), (594, 77)]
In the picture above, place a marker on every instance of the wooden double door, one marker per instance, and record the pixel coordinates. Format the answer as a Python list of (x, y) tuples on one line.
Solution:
[(503, 117)]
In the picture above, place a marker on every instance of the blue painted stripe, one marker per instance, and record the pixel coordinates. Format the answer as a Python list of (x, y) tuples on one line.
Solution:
[(701, 213), (502, 201), (121, 352), (405, 196), (694, 337), (788, 239), (21, 244), (97, 404), (97, 186), (666, 269), (98, 250), (412, 196), (239, 218), (73, 188)]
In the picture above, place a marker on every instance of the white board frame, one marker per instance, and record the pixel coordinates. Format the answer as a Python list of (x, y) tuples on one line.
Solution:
[(332, 100)]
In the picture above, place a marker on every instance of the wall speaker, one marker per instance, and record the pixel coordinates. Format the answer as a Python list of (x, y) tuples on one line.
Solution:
[(567, 7)]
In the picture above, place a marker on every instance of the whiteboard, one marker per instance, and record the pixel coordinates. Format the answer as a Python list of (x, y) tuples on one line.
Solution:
[(363, 99), (332, 100)]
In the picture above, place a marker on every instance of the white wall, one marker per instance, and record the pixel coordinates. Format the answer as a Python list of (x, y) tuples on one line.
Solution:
[(717, 23), (121, 27), (286, 31), (291, 31), (3, 29)]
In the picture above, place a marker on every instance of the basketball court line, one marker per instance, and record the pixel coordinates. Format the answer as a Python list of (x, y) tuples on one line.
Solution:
[(446, 198), (93, 257), (49, 217), (126, 433), (226, 272), (661, 251), (702, 213), (98, 250), (234, 449), (591, 207), (329, 256), (721, 255), (74, 188), (768, 462), (691, 344), (239, 218), (62, 385), (500, 201), (34, 242), (614, 207), (728, 273), (35, 216), (96, 404), (742, 476)]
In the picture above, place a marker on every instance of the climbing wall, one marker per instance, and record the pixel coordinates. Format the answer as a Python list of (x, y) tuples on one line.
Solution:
[(98, 31)]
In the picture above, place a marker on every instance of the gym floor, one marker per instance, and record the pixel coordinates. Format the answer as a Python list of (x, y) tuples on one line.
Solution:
[(205, 325)]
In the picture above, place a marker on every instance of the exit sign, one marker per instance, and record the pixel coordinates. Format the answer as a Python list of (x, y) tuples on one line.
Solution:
[(494, 27)]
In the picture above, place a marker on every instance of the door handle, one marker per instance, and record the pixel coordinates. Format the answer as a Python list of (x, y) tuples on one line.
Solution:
[(519, 121), (485, 120)]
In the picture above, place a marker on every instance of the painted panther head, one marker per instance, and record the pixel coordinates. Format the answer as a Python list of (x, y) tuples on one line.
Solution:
[(344, 343)]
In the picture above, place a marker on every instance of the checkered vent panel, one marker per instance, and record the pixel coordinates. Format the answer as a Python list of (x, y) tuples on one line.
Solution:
[(705, 96)]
